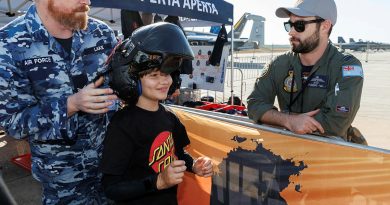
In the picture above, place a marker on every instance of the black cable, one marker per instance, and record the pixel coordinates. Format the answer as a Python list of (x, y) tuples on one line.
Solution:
[(5, 195)]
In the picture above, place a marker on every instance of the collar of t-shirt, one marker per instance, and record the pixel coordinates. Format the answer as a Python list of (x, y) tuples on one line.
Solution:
[(65, 43), (306, 71)]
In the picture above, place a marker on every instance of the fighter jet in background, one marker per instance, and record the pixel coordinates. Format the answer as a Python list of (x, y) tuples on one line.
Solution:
[(360, 45), (248, 22)]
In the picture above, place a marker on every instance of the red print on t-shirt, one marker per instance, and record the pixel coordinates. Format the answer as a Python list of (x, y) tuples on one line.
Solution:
[(162, 151)]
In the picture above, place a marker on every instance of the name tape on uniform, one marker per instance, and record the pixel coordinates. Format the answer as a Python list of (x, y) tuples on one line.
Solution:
[(38, 61)]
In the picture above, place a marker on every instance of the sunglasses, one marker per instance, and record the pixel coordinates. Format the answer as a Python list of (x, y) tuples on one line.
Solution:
[(166, 64), (299, 26)]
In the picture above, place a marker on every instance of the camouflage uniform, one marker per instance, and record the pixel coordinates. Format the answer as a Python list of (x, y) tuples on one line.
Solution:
[(36, 78), (335, 88)]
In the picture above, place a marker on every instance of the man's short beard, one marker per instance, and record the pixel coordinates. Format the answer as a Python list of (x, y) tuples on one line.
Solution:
[(73, 20), (307, 45)]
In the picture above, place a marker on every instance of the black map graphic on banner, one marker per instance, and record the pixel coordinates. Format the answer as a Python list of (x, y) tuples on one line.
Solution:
[(253, 177)]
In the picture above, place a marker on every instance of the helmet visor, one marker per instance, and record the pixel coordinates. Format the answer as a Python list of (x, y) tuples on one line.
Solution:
[(167, 65), (147, 61), (171, 64)]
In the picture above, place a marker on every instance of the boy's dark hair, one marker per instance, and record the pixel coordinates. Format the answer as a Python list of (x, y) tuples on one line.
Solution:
[(145, 72)]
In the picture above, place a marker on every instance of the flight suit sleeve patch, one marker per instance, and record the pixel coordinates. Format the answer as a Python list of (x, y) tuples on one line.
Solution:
[(352, 71)]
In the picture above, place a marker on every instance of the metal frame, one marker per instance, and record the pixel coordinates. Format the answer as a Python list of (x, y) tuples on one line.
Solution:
[(232, 64)]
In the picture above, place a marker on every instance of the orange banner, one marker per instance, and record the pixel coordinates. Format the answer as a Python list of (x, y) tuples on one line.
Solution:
[(255, 166)]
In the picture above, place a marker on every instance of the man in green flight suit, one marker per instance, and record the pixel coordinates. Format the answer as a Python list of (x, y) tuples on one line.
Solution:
[(317, 87)]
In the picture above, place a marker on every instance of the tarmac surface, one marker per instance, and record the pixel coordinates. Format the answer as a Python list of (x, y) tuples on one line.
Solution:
[(25, 190), (373, 119)]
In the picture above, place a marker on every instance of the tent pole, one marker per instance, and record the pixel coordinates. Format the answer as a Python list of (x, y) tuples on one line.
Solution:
[(9, 6), (20, 6), (232, 64)]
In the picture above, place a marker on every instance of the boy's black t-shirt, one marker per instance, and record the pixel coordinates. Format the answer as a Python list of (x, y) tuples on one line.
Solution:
[(140, 143)]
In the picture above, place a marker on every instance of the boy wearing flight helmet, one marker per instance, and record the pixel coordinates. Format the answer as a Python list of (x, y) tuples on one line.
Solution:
[(144, 157)]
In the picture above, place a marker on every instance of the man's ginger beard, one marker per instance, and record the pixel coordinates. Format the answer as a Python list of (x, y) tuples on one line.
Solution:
[(73, 19)]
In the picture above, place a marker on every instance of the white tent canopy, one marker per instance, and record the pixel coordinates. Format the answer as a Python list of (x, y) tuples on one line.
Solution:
[(10, 9)]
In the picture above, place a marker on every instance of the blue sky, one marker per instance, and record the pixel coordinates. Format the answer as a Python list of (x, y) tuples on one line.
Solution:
[(358, 19)]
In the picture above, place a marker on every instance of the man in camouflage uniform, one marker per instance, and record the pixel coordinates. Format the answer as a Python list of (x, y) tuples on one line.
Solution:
[(317, 87), (48, 60)]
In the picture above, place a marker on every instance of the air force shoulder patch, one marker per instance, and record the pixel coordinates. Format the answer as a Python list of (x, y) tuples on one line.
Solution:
[(352, 71)]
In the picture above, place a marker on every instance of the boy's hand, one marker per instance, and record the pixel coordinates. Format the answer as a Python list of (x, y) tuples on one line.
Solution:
[(203, 166), (172, 175)]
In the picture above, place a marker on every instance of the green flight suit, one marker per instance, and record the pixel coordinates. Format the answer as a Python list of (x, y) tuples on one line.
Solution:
[(335, 87)]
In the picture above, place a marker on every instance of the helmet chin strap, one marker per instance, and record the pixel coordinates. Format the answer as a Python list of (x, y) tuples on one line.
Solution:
[(139, 88)]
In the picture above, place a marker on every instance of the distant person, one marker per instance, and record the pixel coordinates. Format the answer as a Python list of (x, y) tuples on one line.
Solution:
[(236, 101), (144, 157), (173, 98), (131, 20), (49, 58), (317, 87)]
